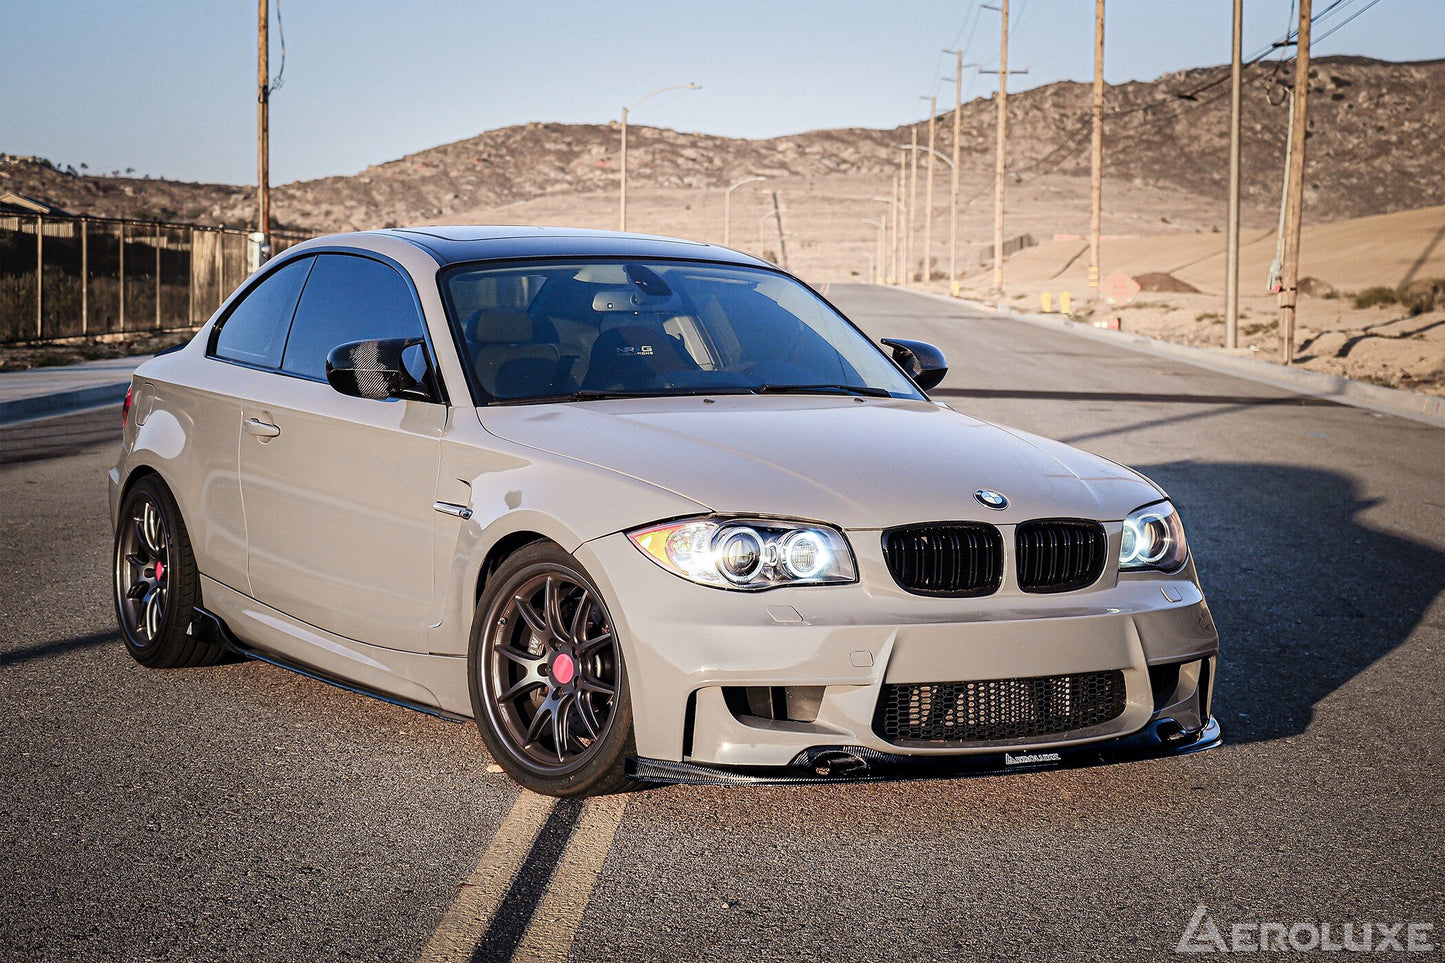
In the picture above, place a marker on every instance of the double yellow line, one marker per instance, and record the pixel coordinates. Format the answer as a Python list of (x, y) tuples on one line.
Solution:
[(525, 898)]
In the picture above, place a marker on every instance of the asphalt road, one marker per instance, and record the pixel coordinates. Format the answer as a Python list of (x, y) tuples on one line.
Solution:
[(242, 812)]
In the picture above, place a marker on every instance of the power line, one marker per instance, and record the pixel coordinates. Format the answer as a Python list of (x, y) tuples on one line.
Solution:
[(281, 73), (1342, 23)]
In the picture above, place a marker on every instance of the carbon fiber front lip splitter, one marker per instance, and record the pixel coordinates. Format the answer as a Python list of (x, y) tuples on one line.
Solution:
[(849, 764)]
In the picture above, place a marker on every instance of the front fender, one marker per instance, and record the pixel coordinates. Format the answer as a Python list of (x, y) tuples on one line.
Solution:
[(511, 489)]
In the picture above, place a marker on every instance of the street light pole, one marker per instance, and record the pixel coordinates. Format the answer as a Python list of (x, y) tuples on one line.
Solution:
[(897, 208), (877, 277), (728, 207), (622, 194)]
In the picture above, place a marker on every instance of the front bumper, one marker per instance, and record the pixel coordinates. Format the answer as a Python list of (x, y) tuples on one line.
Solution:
[(691, 652)]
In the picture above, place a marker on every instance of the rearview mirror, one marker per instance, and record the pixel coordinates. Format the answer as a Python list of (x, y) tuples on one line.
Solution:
[(920, 360), (380, 370)]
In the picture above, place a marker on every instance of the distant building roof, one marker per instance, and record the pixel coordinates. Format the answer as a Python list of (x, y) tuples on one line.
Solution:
[(13, 203)]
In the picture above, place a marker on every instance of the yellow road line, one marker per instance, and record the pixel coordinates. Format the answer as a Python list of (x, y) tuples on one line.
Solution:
[(455, 940), (554, 925)]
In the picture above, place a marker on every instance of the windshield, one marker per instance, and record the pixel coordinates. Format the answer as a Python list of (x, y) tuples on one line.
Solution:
[(556, 331)]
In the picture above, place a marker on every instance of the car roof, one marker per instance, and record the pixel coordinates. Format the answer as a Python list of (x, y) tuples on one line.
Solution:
[(454, 244)]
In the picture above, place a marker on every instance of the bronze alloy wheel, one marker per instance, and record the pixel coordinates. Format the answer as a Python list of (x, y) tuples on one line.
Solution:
[(143, 561), (157, 587), (551, 674)]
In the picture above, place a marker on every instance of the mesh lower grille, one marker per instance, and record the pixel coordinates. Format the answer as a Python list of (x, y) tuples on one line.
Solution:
[(998, 709), (1060, 556), (954, 560)]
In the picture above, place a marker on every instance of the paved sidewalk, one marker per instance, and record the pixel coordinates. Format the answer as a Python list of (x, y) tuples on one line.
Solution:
[(53, 391)]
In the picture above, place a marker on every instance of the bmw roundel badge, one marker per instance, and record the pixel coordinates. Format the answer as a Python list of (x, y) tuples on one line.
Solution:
[(991, 499)]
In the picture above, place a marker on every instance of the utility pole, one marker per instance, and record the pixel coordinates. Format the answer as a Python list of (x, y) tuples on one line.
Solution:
[(1231, 269), (928, 196), (903, 217), (263, 137), (953, 193), (998, 169), (782, 244), (1294, 197), (1096, 161), (898, 223), (912, 201)]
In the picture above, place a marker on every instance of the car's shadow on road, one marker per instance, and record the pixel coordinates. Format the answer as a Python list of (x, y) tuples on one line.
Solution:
[(1305, 594), (45, 650)]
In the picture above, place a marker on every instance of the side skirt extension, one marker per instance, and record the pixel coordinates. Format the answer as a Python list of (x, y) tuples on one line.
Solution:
[(210, 624)]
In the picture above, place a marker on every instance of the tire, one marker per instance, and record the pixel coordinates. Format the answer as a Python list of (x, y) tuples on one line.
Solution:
[(156, 585), (549, 688)]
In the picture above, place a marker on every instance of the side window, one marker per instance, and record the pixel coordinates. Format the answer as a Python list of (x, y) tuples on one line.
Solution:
[(255, 330), (348, 299)]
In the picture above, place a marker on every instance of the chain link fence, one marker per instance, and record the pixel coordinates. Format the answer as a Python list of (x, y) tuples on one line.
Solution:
[(66, 277)]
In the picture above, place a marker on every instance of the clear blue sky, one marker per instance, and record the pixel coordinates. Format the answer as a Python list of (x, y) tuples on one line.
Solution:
[(168, 88)]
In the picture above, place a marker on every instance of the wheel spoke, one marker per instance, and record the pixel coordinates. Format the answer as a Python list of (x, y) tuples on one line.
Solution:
[(135, 560), (152, 531), (522, 658), (137, 590), (552, 601), (521, 687), (589, 720), (531, 616), (597, 686), (560, 727), (579, 617), (538, 723), (590, 646), (154, 610)]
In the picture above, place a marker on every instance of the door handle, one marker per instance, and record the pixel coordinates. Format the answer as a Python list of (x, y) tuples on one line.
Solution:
[(259, 428)]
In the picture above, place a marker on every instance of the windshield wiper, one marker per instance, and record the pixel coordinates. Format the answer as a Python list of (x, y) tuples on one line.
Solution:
[(603, 394), (864, 390)]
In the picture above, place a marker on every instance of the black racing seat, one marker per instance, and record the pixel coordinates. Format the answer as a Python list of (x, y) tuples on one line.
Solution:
[(634, 358)]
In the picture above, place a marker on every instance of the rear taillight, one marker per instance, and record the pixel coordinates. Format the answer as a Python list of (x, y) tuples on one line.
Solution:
[(125, 408)]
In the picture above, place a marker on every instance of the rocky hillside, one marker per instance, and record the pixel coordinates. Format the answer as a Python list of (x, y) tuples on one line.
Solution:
[(1373, 148)]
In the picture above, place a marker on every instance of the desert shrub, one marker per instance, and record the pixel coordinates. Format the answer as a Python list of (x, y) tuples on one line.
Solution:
[(1417, 297), (1379, 294)]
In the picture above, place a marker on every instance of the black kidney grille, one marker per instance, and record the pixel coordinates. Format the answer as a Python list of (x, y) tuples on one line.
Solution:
[(945, 559), (998, 709), (1060, 556)]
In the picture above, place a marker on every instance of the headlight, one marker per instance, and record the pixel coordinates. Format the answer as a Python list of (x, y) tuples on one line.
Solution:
[(740, 553), (1153, 539)]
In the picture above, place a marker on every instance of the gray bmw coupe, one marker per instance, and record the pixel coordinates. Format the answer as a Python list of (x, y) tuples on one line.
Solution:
[(644, 509)]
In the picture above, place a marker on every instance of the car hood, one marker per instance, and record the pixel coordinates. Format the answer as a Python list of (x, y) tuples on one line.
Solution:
[(858, 463)]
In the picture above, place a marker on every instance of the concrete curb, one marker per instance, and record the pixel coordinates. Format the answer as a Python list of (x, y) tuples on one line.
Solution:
[(61, 402), (1427, 409)]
